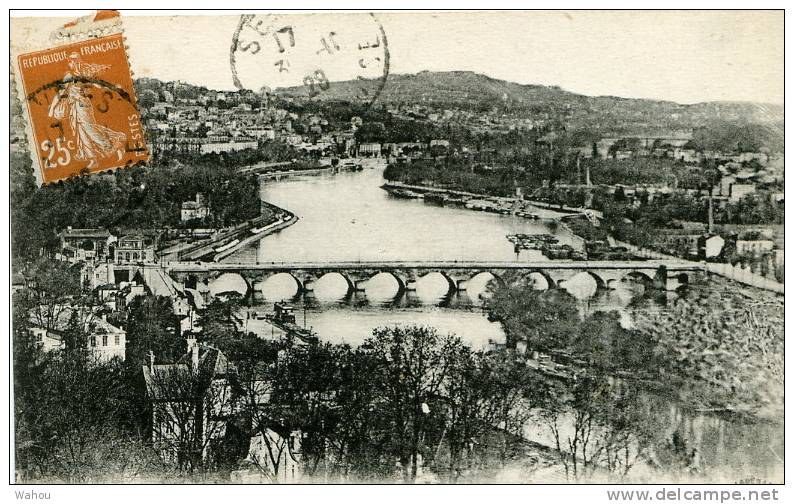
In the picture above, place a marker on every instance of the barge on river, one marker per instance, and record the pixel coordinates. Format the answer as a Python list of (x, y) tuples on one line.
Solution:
[(283, 317)]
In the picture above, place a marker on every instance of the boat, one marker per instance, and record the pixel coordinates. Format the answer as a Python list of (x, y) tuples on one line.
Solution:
[(351, 165), (437, 198), (283, 317), (404, 193)]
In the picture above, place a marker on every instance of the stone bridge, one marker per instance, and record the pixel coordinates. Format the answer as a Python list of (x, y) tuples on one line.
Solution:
[(659, 274)]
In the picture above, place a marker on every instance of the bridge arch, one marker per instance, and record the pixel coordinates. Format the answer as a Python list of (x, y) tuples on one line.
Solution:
[(401, 283), (646, 279), (451, 283), (430, 282), (540, 280), (496, 276), (482, 283), (229, 282), (577, 285), (598, 279), (280, 278), (330, 284)]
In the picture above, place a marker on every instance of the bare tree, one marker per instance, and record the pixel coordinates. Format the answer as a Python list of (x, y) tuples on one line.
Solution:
[(189, 409), (415, 365)]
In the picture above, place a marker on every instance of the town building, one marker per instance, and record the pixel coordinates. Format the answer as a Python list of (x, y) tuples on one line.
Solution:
[(265, 132), (190, 402), (85, 244), (105, 341), (181, 144), (195, 209), (218, 145), (127, 293), (739, 191), (95, 273), (273, 456), (369, 150), (133, 249)]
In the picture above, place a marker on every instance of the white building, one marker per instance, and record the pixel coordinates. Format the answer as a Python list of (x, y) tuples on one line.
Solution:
[(196, 209), (738, 191), (369, 150), (710, 246), (134, 249), (227, 144), (105, 340), (261, 132)]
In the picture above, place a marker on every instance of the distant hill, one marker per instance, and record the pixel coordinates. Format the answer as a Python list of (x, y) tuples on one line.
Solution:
[(473, 91), (459, 89), (466, 89), (603, 115)]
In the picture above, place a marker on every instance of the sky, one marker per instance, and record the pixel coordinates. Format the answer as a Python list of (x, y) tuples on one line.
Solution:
[(683, 56)]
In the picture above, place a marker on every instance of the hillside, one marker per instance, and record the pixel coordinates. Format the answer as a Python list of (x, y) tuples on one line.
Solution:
[(467, 89), (598, 115), (476, 92)]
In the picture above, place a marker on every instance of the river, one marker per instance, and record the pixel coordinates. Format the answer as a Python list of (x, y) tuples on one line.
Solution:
[(347, 216)]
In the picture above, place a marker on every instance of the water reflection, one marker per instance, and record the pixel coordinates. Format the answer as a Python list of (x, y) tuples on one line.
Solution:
[(349, 324), (433, 289)]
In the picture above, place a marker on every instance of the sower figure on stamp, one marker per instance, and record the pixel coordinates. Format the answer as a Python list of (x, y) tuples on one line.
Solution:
[(92, 140)]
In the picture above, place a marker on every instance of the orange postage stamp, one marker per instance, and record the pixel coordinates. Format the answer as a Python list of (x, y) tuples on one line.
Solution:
[(81, 107)]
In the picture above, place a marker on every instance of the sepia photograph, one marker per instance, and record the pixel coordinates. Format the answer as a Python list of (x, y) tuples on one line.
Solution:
[(537, 247)]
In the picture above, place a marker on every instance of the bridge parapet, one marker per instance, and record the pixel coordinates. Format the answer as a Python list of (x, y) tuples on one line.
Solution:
[(658, 273)]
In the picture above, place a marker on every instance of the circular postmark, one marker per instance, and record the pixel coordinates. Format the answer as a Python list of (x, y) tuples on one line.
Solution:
[(106, 95), (314, 56), (85, 123)]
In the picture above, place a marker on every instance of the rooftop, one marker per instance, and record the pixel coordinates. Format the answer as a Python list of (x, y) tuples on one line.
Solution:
[(85, 233)]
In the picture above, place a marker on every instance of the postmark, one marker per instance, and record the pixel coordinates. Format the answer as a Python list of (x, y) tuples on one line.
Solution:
[(312, 54), (81, 108)]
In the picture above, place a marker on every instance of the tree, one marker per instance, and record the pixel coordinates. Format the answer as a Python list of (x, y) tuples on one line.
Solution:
[(220, 319), (673, 457), (147, 98), (543, 319), (152, 327), (579, 403), (190, 409), (597, 425), (72, 421), (414, 365), (52, 286), (490, 397)]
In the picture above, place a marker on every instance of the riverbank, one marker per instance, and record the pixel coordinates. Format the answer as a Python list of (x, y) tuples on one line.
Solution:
[(228, 241), (256, 235), (496, 204), (277, 175)]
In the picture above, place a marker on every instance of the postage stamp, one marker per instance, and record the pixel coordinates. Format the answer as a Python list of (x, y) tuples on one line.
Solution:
[(309, 54), (81, 107), (497, 247)]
